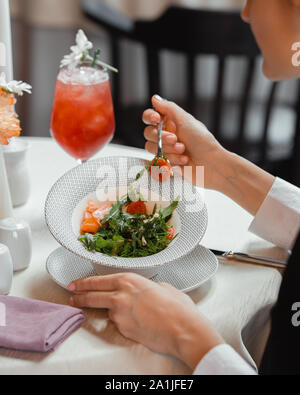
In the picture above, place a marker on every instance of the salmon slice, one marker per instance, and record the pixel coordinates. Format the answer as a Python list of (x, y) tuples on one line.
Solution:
[(89, 225), (92, 217), (102, 212)]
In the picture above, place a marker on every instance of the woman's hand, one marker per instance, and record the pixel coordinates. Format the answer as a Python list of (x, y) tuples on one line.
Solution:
[(186, 141), (156, 315)]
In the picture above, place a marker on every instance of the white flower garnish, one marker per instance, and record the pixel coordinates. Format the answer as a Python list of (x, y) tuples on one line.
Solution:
[(82, 42), (15, 87), (78, 51)]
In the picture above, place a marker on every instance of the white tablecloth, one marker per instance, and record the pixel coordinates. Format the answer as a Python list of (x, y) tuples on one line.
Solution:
[(231, 300)]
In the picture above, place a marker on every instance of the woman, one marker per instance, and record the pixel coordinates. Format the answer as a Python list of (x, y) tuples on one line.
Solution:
[(159, 316)]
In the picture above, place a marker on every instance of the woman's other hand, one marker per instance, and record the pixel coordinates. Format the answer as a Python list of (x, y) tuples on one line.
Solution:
[(156, 315)]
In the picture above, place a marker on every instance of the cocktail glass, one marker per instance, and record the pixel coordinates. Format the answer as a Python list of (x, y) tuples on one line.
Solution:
[(83, 119)]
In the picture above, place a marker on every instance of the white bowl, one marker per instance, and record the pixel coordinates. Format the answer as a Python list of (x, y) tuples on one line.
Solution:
[(68, 197)]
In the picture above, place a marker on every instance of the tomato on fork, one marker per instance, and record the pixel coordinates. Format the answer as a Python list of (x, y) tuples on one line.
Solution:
[(162, 169)]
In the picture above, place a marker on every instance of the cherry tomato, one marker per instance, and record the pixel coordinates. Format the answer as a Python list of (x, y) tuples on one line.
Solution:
[(138, 207), (163, 169), (171, 233)]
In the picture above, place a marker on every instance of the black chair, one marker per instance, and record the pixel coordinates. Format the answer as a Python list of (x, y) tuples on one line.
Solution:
[(193, 33)]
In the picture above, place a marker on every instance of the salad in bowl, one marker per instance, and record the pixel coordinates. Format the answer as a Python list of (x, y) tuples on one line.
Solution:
[(129, 228)]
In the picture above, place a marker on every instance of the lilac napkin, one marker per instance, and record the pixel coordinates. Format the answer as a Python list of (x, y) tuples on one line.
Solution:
[(31, 325)]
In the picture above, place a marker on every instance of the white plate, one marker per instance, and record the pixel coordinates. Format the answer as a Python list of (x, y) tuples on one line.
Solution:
[(69, 195), (185, 274)]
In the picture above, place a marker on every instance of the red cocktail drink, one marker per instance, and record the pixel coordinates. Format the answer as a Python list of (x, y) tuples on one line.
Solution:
[(83, 118)]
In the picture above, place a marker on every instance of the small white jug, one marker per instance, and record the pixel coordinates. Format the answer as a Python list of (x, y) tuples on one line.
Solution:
[(6, 270), (16, 235), (17, 171)]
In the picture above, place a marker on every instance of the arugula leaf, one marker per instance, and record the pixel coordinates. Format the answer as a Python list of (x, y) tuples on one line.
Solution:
[(154, 209), (166, 213), (88, 241), (141, 173), (103, 244), (115, 210), (119, 242)]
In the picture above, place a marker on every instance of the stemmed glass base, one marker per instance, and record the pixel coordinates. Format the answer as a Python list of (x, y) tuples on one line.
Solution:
[(81, 161)]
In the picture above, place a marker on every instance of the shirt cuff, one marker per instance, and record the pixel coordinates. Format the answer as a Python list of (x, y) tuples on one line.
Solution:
[(223, 360), (278, 219)]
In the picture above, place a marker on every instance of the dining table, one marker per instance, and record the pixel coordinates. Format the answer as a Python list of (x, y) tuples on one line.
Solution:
[(237, 300)]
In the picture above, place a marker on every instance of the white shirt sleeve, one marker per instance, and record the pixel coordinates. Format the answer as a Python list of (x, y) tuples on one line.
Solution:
[(223, 361), (278, 219)]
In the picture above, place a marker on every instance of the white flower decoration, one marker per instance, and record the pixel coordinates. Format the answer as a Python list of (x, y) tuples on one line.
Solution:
[(71, 59), (82, 42), (79, 51), (15, 87)]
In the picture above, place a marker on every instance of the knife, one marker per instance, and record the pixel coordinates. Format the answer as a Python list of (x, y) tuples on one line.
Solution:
[(254, 259)]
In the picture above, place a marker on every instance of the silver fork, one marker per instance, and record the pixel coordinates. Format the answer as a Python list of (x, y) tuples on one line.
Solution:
[(160, 153)]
